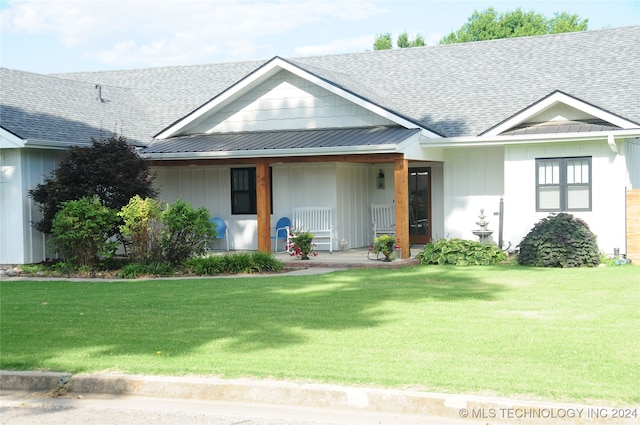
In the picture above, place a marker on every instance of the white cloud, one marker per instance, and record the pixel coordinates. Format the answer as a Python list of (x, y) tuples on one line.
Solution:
[(359, 44), (162, 32)]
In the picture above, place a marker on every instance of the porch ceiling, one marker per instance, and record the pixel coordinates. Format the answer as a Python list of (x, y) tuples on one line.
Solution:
[(263, 141)]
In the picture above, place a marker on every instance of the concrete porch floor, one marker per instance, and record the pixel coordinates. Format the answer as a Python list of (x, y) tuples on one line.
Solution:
[(350, 258)]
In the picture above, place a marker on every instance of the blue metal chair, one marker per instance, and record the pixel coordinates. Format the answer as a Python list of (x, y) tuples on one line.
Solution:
[(281, 230), (221, 229)]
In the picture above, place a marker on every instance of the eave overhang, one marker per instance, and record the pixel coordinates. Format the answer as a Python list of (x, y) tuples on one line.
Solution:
[(480, 141), (558, 97)]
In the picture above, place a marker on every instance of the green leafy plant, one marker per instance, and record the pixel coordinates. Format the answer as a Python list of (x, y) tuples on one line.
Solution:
[(81, 231), (385, 244), (460, 252), (238, 262), (266, 262), (136, 270), (205, 266), (301, 244), (142, 227), (559, 240), (186, 231)]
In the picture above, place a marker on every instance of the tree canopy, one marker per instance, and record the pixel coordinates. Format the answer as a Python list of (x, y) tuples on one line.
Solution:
[(110, 169), (490, 24), (385, 41)]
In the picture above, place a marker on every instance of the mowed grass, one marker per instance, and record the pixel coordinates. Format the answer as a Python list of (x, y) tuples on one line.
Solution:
[(563, 335)]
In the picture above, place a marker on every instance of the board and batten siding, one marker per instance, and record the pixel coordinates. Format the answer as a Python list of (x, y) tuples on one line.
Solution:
[(473, 180), (22, 170), (287, 102), (632, 157), (294, 185), (607, 218)]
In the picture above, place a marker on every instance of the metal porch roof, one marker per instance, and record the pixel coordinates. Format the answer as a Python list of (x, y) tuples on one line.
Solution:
[(282, 139)]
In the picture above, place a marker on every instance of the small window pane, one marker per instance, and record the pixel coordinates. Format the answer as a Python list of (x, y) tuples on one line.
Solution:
[(549, 172), (578, 198), (549, 198), (577, 171), (242, 203)]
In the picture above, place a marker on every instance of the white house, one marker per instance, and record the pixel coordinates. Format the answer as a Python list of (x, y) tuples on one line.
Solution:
[(520, 128)]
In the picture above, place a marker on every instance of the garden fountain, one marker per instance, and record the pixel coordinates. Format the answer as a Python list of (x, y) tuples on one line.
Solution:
[(483, 233)]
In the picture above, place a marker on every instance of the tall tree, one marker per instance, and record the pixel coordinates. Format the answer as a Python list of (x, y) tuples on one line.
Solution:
[(490, 24), (385, 41), (404, 41), (110, 169)]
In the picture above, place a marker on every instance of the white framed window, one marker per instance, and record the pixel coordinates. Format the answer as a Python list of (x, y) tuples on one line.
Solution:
[(563, 184)]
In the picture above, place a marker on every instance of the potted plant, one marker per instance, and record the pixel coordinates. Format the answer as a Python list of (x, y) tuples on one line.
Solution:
[(385, 244), (301, 244)]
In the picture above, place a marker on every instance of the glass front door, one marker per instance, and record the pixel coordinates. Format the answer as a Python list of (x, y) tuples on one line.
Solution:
[(419, 205)]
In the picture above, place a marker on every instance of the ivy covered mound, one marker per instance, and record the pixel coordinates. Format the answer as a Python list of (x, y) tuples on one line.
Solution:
[(560, 240)]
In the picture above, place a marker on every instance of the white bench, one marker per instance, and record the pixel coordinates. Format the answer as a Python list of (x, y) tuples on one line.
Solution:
[(317, 220), (383, 220)]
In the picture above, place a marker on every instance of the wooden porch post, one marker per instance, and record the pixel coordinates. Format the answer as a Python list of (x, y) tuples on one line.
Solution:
[(401, 180), (263, 205)]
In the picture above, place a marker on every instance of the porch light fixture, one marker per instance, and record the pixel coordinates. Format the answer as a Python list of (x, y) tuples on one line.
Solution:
[(380, 180)]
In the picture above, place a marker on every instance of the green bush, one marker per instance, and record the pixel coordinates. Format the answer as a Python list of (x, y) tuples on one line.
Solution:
[(186, 231), (460, 252), (559, 240), (136, 270), (238, 262), (81, 231), (205, 266), (142, 228), (266, 262)]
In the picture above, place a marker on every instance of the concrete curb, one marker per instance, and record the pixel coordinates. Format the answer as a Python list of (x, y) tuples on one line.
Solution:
[(496, 410)]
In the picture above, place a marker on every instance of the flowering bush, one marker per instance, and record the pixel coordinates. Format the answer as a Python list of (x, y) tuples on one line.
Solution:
[(301, 244), (385, 244)]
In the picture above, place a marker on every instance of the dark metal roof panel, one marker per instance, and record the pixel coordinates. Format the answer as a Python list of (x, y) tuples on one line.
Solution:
[(558, 127), (283, 139)]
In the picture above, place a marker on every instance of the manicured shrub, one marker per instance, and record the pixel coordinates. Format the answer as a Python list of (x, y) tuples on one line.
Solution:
[(81, 231), (559, 240), (186, 231), (460, 252)]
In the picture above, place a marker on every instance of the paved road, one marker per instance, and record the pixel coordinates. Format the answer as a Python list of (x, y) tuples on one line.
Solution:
[(17, 408)]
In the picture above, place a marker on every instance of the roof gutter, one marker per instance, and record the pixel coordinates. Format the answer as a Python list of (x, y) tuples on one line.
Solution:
[(479, 141), (51, 144)]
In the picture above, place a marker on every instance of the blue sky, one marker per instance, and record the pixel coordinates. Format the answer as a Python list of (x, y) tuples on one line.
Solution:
[(47, 36)]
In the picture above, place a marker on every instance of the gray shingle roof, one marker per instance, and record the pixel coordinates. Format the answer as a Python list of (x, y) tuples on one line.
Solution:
[(47, 108), (455, 90)]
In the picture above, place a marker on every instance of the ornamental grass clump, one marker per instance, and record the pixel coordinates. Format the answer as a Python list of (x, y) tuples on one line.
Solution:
[(559, 240)]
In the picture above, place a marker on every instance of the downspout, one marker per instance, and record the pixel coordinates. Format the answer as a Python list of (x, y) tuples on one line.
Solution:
[(501, 222)]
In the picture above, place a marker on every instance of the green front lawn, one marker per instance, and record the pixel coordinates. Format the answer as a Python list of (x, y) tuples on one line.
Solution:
[(558, 334)]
